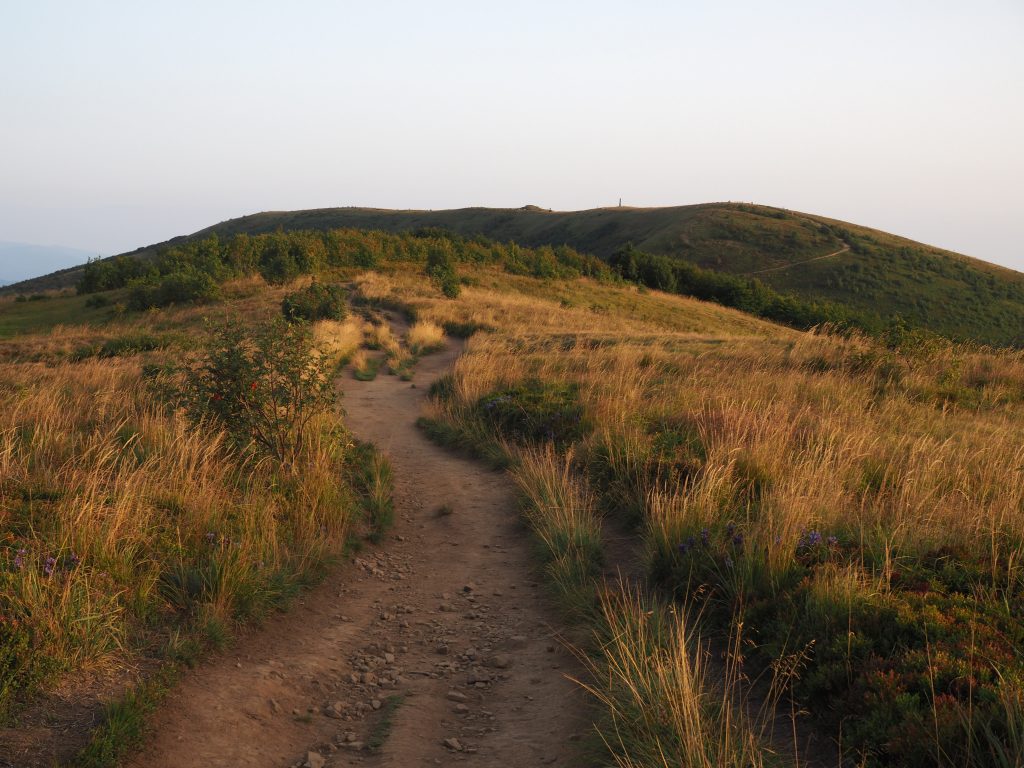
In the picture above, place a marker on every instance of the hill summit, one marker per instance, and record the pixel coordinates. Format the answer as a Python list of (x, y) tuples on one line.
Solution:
[(809, 256)]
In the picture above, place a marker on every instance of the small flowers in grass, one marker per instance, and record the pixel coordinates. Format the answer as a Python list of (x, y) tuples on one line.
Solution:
[(49, 565), (687, 545)]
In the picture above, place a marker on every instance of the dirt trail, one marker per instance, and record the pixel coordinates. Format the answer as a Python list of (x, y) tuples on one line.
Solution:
[(840, 252), (447, 613)]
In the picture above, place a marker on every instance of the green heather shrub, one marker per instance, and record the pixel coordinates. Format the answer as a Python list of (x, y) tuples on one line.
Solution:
[(319, 301), (536, 411), (124, 346), (908, 674), (23, 663)]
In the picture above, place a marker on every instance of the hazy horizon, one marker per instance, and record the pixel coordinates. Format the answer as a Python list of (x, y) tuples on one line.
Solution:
[(136, 124)]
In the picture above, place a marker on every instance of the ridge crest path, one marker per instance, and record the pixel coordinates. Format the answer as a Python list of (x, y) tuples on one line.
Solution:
[(447, 613)]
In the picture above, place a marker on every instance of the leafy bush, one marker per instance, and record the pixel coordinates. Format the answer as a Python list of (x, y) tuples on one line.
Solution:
[(287, 256), (536, 411), (185, 287), (441, 270), (108, 274), (264, 386), (97, 302), (317, 302)]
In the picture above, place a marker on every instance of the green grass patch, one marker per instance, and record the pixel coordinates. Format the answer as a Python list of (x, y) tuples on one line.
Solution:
[(536, 411), (18, 317), (474, 442), (124, 722), (368, 371), (382, 729), (370, 475)]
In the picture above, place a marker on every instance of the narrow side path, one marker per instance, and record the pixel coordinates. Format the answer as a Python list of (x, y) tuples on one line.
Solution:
[(438, 647), (779, 268)]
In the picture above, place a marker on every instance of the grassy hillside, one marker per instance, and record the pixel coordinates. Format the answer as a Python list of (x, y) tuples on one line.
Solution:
[(843, 514), (870, 271)]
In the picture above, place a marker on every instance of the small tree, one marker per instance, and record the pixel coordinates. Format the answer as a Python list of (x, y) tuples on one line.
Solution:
[(441, 270), (264, 386)]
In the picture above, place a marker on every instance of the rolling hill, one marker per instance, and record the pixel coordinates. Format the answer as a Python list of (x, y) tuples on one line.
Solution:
[(811, 256)]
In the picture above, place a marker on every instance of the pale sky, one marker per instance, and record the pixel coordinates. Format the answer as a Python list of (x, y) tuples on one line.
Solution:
[(125, 123)]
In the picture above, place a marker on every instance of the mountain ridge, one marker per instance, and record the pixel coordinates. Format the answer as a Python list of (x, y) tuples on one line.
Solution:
[(813, 256)]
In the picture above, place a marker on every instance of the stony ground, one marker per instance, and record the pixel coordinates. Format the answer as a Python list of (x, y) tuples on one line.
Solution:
[(436, 647)]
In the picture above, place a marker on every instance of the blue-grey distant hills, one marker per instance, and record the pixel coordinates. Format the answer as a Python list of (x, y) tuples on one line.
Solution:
[(21, 261)]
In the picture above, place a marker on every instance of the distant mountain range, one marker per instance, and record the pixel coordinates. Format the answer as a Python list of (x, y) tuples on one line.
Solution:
[(21, 261)]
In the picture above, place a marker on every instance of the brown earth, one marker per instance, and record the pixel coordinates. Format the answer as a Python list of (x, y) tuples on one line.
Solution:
[(445, 624)]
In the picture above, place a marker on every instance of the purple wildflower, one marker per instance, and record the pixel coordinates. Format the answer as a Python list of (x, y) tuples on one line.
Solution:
[(684, 548), (49, 565), (211, 537), (705, 536), (19, 559), (737, 540), (833, 541), (729, 529), (809, 539)]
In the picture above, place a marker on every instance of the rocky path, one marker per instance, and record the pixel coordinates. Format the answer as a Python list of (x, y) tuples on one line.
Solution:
[(436, 648)]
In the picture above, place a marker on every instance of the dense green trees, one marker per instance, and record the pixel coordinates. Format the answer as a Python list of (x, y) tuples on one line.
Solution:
[(191, 272)]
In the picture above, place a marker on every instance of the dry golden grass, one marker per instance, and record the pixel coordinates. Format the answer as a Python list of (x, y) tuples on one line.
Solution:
[(122, 526), (340, 340), (424, 337), (663, 705), (123, 496), (771, 438)]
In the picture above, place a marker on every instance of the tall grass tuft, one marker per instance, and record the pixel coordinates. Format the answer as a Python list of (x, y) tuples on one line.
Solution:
[(660, 705), (425, 337)]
